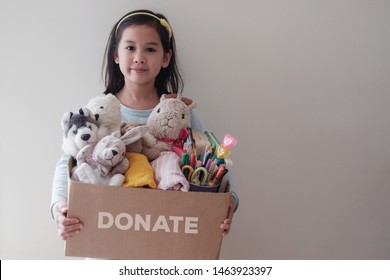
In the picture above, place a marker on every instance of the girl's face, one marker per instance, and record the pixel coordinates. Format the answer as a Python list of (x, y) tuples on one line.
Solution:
[(140, 54)]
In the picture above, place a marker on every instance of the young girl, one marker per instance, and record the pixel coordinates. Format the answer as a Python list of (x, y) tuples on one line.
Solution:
[(139, 66)]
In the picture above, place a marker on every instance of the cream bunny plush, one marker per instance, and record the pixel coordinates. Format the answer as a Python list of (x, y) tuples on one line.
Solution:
[(107, 110), (105, 162), (168, 123)]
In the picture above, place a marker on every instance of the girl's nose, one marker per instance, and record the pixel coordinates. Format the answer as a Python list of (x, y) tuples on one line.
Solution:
[(139, 59)]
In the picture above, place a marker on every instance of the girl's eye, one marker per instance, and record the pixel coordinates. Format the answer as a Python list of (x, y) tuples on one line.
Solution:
[(130, 48), (150, 50)]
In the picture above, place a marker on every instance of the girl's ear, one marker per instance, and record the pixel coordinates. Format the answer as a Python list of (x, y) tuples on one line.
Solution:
[(166, 59), (116, 58)]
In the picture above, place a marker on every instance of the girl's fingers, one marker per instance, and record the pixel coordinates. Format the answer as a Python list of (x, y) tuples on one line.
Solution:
[(67, 232), (70, 221), (67, 235)]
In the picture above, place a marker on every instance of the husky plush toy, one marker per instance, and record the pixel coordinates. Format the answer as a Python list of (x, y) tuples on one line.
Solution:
[(80, 129), (105, 162)]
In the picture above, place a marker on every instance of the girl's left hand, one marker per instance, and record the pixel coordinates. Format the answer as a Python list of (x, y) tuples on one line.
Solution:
[(228, 221)]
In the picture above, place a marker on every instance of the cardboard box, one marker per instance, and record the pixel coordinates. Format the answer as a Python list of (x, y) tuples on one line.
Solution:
[(132, 223)]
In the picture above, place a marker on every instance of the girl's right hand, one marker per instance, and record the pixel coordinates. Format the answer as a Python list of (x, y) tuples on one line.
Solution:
[(67, 227)]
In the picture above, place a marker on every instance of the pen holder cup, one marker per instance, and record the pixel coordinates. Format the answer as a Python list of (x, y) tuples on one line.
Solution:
[(195, 188)]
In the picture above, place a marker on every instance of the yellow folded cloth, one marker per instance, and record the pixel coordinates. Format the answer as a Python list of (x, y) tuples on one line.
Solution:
[(140, 173)]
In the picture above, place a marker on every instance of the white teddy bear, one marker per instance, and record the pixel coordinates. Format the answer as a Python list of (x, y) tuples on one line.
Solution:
[(107, 110)]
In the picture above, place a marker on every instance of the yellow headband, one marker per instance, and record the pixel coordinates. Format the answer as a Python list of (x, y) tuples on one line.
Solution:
[(162, 21)]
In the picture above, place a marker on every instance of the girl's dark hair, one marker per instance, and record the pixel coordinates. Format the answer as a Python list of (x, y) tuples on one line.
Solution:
[(168, 80)]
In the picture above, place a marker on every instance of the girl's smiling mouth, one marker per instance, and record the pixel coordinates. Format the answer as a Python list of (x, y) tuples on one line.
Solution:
[(139, 70)]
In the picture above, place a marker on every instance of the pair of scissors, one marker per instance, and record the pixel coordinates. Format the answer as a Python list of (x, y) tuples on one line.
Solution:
[(190, 171), (197, 174), (194, 175)]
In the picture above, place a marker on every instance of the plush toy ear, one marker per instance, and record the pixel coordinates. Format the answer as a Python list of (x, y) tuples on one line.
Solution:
[(134, 134), (192, 105), (179, 97), (162, 98), (86, 112), (116, 134), (65, 119), (111, 96)]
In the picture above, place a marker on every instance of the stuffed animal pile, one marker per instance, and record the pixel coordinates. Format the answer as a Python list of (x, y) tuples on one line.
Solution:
[(93, 137)]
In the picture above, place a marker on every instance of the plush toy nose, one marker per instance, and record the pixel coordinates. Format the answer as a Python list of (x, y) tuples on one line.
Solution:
[(114, 153), (169, 121), (85, 137)]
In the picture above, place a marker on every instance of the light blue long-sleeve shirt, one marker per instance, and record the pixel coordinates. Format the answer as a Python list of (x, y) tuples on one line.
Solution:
[(60, 180)]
